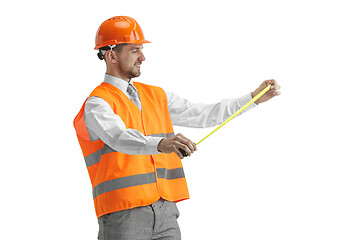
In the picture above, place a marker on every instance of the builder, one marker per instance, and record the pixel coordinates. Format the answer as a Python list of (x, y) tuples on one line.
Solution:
[(125, 130)]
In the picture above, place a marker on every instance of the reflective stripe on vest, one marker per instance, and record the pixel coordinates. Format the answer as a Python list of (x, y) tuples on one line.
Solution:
[(96, 156), (136, 180)]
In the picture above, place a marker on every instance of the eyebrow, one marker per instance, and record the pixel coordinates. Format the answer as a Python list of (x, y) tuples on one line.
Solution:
[(137, 48)]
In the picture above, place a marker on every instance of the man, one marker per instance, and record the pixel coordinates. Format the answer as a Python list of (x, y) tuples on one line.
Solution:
[(125, 132)]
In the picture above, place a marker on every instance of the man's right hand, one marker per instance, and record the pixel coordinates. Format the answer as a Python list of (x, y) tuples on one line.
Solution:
[(172, 144)]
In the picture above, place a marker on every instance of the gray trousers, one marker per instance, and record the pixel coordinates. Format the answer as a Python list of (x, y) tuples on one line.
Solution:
[(156, 221)]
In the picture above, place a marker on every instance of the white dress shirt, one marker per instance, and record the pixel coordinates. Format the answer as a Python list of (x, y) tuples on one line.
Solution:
[(102, 123)]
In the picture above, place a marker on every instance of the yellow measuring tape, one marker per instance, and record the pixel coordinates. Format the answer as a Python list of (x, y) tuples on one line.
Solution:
[(238, 112)]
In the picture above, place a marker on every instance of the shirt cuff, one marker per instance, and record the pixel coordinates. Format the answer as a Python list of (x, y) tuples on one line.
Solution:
[(152, 145), (244, 100)]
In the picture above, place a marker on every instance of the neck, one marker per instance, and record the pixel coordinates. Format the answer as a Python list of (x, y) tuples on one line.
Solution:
[(117, 74)]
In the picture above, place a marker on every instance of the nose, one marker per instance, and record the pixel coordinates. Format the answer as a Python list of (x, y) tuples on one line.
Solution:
[(141, 57)]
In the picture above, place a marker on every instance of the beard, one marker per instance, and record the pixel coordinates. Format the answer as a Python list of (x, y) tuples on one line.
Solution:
[(132, 73)]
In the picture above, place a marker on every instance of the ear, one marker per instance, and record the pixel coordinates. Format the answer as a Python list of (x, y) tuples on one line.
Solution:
[(110, 56)]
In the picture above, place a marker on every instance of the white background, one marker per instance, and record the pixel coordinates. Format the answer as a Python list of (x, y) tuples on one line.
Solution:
[(288, 169)]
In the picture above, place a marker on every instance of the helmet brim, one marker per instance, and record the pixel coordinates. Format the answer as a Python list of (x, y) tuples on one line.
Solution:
[(116, 43)]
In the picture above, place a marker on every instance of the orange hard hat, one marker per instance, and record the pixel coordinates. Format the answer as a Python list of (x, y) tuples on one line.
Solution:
[(117, 30)]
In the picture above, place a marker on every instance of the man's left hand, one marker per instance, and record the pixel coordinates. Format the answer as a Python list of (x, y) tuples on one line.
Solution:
[(274, 91)]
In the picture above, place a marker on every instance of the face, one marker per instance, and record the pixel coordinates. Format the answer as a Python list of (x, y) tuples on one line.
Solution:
[(129, 60)]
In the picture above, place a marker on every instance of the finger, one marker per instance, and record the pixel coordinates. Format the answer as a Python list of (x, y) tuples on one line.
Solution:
[(176, 150), (275, 85), (184, 147), (190, 145), (275, 93), (187, 142), (270, 82), (195, 147)]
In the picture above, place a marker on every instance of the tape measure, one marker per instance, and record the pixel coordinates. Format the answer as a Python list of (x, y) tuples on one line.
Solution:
[(259, 95)]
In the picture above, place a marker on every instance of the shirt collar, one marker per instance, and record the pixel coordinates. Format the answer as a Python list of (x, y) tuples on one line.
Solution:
[(118, 82)]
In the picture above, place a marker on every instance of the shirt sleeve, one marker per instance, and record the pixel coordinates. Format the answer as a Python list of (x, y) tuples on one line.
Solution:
[(102, 123), (199, 115)]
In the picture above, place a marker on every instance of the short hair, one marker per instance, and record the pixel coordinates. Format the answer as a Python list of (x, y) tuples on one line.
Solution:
[(102, 50)]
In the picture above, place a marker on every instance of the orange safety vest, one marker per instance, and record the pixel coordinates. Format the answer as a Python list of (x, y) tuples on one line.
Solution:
[(121, 181)]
